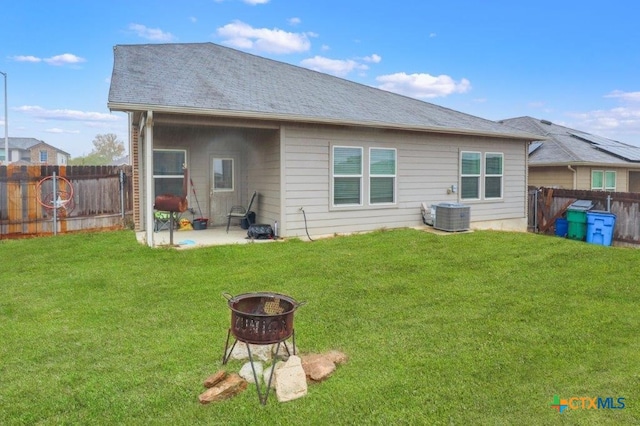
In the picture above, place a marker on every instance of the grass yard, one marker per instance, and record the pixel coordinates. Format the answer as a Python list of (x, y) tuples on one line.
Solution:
[(474, 328)]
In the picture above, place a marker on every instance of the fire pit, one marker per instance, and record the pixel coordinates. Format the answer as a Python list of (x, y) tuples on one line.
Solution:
[(261, 319)]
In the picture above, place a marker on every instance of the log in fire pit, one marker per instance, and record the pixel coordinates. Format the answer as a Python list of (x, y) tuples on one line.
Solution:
[(261, 319)]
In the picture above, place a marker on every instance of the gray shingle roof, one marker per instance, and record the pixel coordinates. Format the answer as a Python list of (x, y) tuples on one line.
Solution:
[(211, 79), (27, 143), (569, 146), (23, 143)]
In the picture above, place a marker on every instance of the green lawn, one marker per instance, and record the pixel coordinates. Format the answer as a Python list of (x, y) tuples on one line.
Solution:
[(473, 328)]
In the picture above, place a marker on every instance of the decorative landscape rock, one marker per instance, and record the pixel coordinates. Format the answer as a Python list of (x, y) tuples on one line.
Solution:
[(318, 367), (291, 381), (261, 352), (337, 357), (267, 374), (214, 379), (246, 372), (232, 385)]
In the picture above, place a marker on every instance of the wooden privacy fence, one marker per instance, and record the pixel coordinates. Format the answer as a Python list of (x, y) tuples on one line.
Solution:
[(548, 204), (83, 197)]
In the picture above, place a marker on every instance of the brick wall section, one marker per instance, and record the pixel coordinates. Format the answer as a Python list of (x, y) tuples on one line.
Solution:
[(134, 150), (52, 154)]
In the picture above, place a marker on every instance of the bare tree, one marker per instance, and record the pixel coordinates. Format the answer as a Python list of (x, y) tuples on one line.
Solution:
[(108, 146), (106, 149)]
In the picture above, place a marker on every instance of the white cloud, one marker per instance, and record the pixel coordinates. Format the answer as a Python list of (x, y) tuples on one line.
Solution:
[(254, 2), (625, 96), (27, 58), (58, 60), (612, 119), (422, 86), (64, 59), (244, 36), (193, 19), (373, 58), (66, 114), (294, 21), (60, 131), (153, 34), (337, 67)]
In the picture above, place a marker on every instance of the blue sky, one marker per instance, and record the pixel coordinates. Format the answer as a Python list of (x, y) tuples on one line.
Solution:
[(576, 63)]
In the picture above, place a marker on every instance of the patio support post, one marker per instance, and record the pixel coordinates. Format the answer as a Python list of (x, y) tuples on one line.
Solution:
[(148, 176)]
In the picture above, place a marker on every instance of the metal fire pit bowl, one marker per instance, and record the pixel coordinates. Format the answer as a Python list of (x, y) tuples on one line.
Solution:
[(262, 318)]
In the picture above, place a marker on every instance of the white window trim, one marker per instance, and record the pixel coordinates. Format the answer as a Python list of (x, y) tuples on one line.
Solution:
[(604, 186), (233, 175), (604, 180), (479, 175), (184, 165), (394, 176), (486, 175), (333, 176), (593, 188)]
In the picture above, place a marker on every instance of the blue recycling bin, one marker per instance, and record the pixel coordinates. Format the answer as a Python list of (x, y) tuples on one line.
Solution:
[(562, 227), (600, 227)]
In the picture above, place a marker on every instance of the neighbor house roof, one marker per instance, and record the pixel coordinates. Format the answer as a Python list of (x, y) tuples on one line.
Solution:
[(28, 143), (23, 143), (205, 78), (566, 146)]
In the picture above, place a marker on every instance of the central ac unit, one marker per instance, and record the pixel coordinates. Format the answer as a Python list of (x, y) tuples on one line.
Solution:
[(452, 217)]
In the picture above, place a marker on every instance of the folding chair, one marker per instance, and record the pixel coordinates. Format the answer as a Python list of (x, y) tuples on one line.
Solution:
[(162, 220), (239, 212)]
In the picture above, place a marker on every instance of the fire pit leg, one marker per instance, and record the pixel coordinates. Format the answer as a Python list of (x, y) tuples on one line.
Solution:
[(261, 398), (293, 336), (227, 354)]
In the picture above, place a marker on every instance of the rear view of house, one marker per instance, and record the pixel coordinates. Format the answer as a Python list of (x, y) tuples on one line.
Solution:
[(325, 155)]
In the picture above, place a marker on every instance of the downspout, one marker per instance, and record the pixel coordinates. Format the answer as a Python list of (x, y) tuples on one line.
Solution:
[(148, 177), (575, 176)]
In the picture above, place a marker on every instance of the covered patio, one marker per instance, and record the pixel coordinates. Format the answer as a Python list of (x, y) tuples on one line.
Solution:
[(213, 236)]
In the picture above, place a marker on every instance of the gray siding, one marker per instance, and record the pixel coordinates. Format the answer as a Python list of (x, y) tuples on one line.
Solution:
[(428, 165), (263, 168)]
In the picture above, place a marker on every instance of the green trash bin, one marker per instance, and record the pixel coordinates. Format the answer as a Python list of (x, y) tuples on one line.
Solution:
[(577, 229), (577, 219)]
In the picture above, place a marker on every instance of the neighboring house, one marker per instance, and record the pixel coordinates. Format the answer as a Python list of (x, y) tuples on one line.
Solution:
[(122, 161), (572, 159), (34, 151), (326, 156)]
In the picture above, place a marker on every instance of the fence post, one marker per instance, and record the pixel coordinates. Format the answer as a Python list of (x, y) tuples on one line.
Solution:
[(55, 205), (122, 194)]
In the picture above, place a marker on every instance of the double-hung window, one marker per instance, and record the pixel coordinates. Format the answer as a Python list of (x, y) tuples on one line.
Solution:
[(347, 176), (382, 176), (44, 156), (493, 169), (603, 180), (470, 169), (481, 177), (168, 171)]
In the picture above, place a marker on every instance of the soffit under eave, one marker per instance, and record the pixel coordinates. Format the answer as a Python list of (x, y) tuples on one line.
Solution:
[(289, 118), (588, 164)]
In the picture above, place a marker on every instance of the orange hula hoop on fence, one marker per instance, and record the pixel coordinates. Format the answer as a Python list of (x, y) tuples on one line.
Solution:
[(64, 199)]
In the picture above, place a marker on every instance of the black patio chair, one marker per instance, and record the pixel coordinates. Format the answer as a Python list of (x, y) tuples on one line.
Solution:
[(239, 212)]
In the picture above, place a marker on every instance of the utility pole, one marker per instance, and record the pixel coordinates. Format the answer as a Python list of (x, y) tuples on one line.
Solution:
[(6, 121)]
